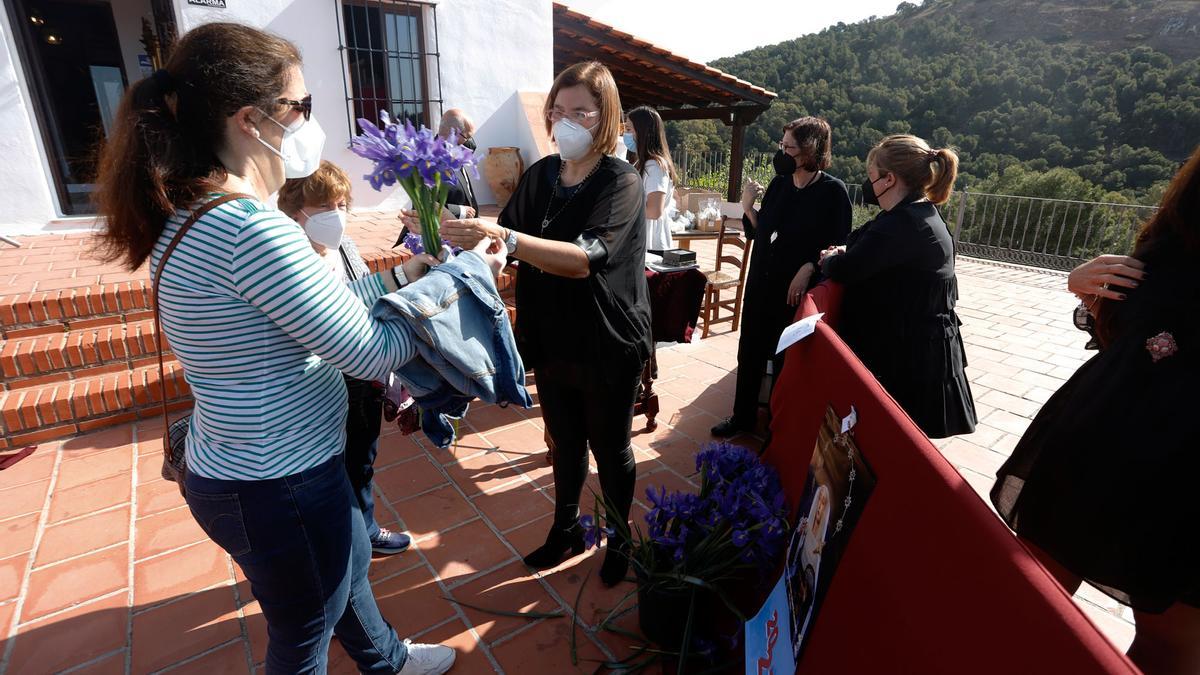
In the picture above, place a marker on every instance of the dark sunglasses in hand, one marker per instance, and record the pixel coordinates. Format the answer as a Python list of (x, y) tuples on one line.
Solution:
[(304, 105)]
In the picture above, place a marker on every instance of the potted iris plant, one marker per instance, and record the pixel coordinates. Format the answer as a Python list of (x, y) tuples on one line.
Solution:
[(703, 554)]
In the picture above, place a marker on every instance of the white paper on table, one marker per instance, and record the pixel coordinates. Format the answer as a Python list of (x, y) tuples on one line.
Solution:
[(850, 420), (798, 331)]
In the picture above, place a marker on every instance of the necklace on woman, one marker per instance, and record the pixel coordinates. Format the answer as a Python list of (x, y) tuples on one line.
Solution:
[(810, 181), (547, 218)]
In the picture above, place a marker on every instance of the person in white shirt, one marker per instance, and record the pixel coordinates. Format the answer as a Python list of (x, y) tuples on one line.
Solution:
[(646, 137)]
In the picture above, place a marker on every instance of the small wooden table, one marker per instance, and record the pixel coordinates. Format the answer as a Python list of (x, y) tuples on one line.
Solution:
[(684, 239)]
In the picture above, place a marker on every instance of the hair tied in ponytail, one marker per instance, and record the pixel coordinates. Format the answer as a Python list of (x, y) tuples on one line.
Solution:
[(931, 156), (163, 81)]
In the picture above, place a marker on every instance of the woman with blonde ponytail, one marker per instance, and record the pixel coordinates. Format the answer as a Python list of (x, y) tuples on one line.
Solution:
[(898, 269)]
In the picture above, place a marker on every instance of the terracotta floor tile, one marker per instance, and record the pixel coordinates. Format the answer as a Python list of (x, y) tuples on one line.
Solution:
[(112, 665), (228, 660), (664, 478), (469, 654), (156, 497), (402, 481), (482, 472), (164, 531), (171, 633), (6, 615), (102, 440), (94, 467), (33, 468), (80, 536), (60, 586), (149, 467), (412, 602), (546, 648), (17, 535), (524, 437), (597, 599), (513, 505), (71, 638), (397, 448), (528, 537), (28, 498), (89, 498), (512, 588), (434, 511), (12, 571), (532, 463), (464, 551), (492, 417), (469, 444), (179, 572)]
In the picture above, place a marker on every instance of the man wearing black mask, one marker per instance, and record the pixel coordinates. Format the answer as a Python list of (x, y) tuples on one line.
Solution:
[(804, 210)]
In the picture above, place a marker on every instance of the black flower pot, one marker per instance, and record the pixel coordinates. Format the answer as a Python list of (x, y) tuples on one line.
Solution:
[(663, 613)]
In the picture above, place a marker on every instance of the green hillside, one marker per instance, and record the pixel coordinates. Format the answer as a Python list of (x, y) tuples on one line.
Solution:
[(1108, 89)]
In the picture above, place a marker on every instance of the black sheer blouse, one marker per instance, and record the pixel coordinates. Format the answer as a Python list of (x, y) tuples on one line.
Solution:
[(603, 320)]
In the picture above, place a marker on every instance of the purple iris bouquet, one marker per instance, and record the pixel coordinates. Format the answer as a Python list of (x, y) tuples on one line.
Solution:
[(424, 164), (737, 522), (714, 543)]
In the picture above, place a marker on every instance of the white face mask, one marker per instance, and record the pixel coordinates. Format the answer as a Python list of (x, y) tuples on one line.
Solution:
[(326, 228), (300, 148), (573, 140)]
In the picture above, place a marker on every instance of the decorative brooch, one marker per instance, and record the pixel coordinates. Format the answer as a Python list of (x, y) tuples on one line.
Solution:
[(1161, 346)]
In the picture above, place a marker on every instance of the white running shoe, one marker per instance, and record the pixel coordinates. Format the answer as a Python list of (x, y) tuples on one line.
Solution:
[(427, 659)]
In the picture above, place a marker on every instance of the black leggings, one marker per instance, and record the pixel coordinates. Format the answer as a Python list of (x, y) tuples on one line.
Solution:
[(588, 405)]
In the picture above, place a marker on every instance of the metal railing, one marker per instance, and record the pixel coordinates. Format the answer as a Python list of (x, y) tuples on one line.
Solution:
[(1040, 232), (1052, 233)]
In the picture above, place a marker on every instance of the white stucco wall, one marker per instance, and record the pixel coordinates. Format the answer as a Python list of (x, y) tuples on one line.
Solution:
[(490, 49), (26, 204)]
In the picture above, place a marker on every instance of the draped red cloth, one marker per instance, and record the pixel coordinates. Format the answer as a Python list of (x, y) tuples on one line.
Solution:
[(931, 580)]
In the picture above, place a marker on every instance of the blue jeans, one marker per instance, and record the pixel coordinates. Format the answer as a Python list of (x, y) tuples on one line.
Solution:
[(363, 417), (300, 541)]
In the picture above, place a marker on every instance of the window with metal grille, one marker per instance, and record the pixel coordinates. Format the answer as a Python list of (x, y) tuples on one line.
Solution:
[(391, 60)]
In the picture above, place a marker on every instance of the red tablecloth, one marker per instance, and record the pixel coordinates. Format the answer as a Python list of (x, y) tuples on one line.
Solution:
[(675, 302), (931, 580)]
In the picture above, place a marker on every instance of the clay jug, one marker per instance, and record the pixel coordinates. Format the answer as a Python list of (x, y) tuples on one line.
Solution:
[(502, 168)]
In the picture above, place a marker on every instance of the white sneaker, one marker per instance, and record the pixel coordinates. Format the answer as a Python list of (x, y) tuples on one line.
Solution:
[(427, 659)]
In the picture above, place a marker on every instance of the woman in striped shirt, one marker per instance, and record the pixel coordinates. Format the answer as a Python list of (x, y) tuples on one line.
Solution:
[(262, 330)]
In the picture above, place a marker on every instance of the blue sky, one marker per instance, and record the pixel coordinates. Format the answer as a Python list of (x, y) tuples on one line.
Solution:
[(703, 30)]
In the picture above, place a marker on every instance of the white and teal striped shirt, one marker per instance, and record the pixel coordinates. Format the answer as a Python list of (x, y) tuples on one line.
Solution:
[(262, 327)]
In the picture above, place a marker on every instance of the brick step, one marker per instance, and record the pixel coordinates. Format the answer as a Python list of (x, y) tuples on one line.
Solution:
[(59, 409), (45, 354), (61, 307)]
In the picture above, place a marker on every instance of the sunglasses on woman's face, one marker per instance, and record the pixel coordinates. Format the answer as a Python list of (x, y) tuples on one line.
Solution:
[(304, 105)]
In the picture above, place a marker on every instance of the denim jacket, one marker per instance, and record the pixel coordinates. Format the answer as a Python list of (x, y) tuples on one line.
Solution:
[(465, 344)]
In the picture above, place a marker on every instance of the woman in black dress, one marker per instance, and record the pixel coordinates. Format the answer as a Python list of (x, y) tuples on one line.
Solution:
[(898, 312), (1102, 484), (804, 210), (577, 225)]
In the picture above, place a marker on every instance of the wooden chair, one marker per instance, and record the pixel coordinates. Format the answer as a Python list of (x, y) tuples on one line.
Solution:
[(729, 273)]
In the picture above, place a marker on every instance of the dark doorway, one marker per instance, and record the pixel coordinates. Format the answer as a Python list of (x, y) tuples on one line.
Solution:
[(77, 63)]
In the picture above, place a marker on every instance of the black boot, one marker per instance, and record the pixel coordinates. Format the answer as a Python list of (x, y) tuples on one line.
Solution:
[(616, 563), (731, 426), (558, 543)]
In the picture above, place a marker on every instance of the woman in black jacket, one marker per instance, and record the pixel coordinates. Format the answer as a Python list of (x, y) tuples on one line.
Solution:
[(898, 312), (577, 225), (1102, 484), (804, 210)]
